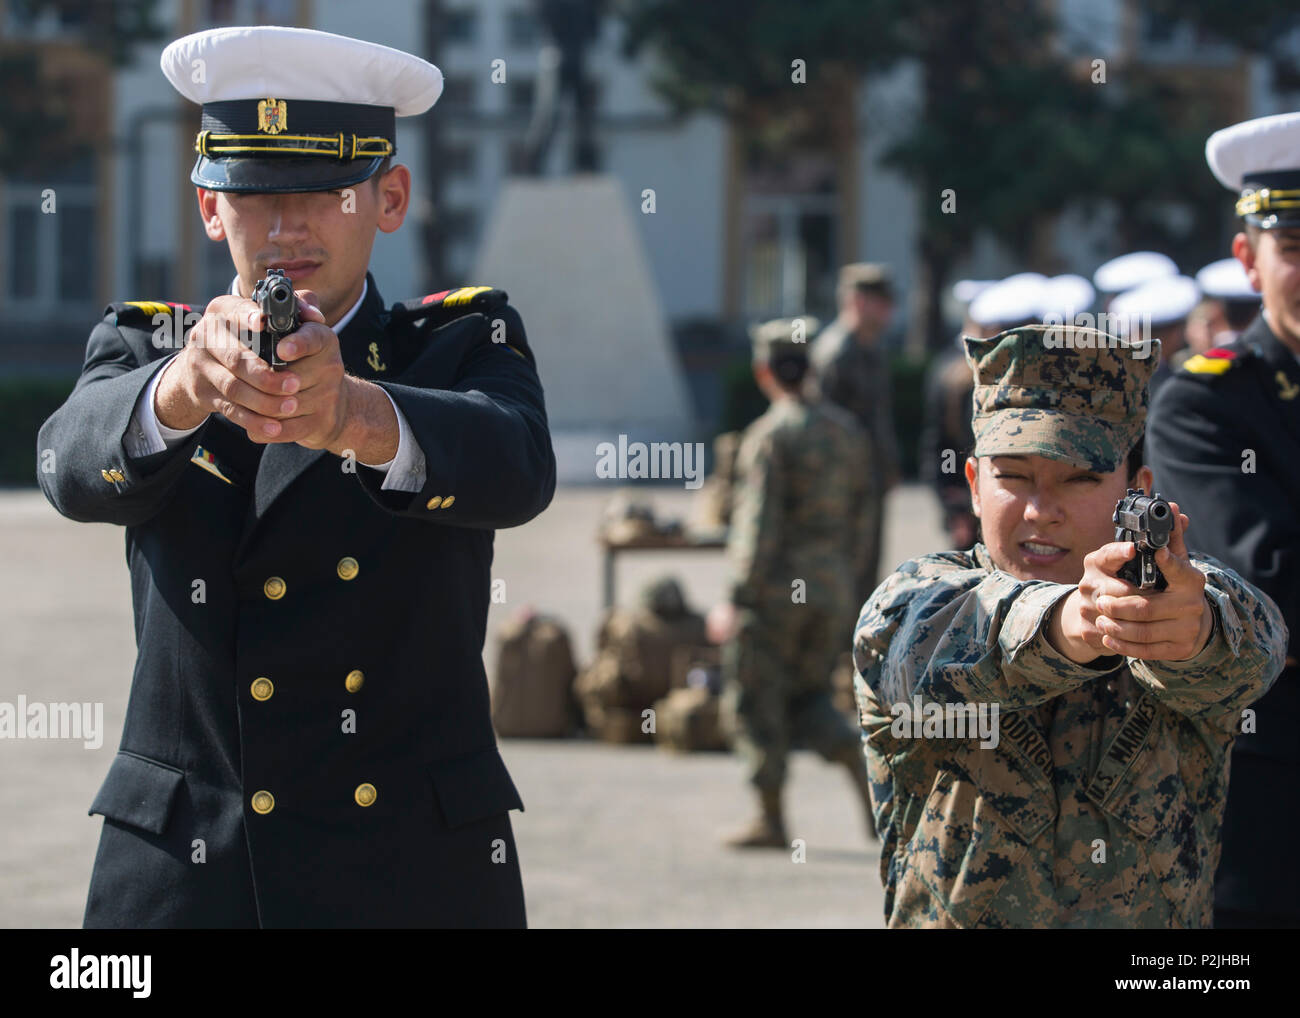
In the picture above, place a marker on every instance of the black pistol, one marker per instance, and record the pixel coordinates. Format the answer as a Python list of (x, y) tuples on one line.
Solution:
[(274, 295), (1147, 521)]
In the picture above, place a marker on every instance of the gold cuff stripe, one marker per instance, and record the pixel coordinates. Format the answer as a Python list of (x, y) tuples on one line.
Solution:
[(335, 145), (1267, 199)]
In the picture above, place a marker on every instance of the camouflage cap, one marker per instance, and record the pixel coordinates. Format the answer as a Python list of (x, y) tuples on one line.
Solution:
[(1070, 394), (783, 335)]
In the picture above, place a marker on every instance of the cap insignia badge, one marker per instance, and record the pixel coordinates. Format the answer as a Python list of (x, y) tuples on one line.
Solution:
[(272, 115)]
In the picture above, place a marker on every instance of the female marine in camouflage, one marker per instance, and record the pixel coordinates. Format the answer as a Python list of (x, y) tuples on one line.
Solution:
[(1098, 800)]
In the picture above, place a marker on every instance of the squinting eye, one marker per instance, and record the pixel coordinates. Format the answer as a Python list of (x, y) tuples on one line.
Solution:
[(1009, 477)]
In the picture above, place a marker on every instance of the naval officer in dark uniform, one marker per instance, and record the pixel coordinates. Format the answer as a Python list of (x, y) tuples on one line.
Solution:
[(307, 741), (1224, 440)]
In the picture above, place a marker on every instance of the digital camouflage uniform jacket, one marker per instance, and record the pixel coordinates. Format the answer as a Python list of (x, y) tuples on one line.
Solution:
[(1100, 804), (799, 509), (856, 377)]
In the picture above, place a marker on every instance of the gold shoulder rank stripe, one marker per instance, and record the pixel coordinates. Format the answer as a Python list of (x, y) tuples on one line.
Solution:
[(1199, 365), (463, 296), (151, 307)]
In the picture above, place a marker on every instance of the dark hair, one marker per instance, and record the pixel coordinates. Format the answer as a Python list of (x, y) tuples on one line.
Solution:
[(879, 288), (1240, 313), (384, 167), (789, 368), (1134, 461)]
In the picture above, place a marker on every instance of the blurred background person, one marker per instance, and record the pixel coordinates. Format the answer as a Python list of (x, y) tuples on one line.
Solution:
[(799, 529), (1158, 309), (1230, 304), (852, 371)]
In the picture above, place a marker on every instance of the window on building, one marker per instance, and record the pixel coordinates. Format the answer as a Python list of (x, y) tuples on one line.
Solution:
[(24, 239), (51, 241), (458, 158), (789, 243), (516, 157), (458, 90), (459, 24), (459, 228), (519, 93), (460, 223), (219, 12), (1158, 30), (522, 28), (274, 12)]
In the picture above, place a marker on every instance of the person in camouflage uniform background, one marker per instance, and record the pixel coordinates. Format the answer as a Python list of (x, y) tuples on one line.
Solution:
[(799, 526), (1100, 801), (852, 371)]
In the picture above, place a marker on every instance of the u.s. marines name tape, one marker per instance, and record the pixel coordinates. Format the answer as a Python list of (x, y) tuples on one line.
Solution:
[(1124, 748)]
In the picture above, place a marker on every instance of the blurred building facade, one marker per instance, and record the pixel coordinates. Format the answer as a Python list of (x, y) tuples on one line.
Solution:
[(727, 243)]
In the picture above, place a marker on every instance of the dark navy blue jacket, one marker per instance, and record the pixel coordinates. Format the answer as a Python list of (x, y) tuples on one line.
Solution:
[(235, 749)]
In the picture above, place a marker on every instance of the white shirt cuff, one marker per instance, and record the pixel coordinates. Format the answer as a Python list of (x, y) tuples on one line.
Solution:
[(406, 470), (147, 434)]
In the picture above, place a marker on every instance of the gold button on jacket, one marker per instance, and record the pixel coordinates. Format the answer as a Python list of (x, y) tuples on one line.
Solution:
[(434, 502), (263, 802), (446, 502), (354, 680), (262, 688), (348, 567), (274, 588), (365, 794)]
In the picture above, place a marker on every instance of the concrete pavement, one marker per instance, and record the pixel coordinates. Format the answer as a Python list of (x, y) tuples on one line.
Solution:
[(612, 836)]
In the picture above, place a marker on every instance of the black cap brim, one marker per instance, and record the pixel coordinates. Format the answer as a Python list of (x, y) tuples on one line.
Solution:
[(1288, 219), (281, 174)]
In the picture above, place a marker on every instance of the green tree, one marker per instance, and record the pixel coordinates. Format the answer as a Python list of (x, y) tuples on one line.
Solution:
[(1010, 129), (1265, 27)]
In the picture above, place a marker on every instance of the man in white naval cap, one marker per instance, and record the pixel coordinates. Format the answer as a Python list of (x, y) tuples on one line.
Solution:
[(1157, 309), (307, 741), (1227, 308), (1131, 270), (1224, 439)]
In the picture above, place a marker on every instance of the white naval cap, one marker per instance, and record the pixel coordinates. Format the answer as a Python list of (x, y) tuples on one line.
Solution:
[(1225, 279), (298, 63), (1008, 302), (292, 109), (966, 290), (1159, 302), (1132, 270), (1064, 297), (1260, 159)]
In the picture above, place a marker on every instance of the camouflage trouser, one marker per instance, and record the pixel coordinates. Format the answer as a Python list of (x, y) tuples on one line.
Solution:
[(777, 673)]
